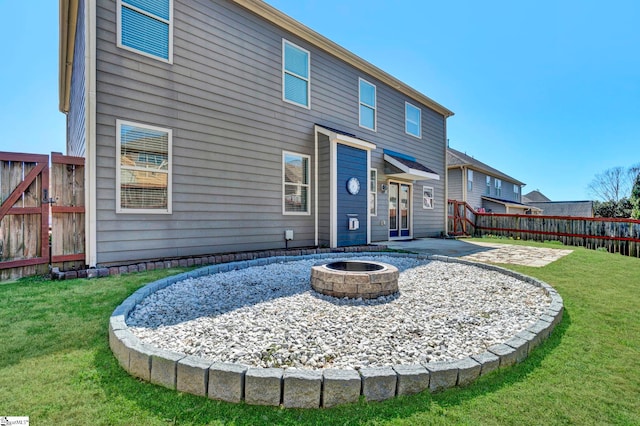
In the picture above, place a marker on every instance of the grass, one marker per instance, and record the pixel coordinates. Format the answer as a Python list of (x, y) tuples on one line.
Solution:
[(56, 366)]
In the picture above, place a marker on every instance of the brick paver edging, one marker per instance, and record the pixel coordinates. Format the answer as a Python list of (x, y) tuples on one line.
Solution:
[(314, 388)]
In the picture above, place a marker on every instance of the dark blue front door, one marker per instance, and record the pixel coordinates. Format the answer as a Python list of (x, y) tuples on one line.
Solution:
[(351, 165)]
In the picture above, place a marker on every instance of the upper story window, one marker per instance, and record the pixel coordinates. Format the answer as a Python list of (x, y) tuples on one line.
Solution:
[(143, 168), (470, 180), (413, 120), (488, 185), (295, 183), (296, 64), (498, 183), (367, 96), (146, 27), (516, 192)]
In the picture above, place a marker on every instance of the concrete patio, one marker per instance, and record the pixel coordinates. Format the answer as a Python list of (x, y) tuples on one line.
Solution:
[(481, 251)]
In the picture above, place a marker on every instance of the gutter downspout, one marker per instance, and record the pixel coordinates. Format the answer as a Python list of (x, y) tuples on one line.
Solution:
[(446, 182), (90, 129), (68, 22)]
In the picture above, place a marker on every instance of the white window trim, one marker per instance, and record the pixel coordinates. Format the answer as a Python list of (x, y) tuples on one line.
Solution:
[(119, 208), (140, 52), (406, 120), (498, 185), (373, 107), (307, 79), (373, 185), (488, 187), (307, 185), (469, 180), (433, 197)]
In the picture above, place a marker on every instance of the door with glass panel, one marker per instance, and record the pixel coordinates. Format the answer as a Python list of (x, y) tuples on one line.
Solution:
[(399, 210)]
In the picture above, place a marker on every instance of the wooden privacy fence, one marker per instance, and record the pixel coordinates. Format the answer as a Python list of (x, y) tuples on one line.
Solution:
[(616, 235), (41, 213)]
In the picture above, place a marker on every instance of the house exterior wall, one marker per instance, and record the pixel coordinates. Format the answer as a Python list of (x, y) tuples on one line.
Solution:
[(456, 179), (76, 118), (222, 99)]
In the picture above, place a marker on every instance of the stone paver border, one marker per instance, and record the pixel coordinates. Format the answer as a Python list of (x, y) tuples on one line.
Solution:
[(314, 388)]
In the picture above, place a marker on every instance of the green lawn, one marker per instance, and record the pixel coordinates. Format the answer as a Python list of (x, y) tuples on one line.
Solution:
[(56, 366)]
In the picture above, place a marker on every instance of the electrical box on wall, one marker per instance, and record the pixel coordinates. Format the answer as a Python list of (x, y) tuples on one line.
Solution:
[(288, 235), (354, 224)]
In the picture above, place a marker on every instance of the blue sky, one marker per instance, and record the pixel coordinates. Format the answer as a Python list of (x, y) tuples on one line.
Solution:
[(547, 92)]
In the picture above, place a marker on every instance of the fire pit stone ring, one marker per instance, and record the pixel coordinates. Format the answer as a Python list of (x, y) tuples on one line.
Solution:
[(355, 279)]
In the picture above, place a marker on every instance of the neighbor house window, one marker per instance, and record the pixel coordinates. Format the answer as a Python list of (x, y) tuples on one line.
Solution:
[(295, 188), (367, 95), (427, 197), (373, 198), (146, 27), (516, 192), (498, 183), (143, 168), (296, 64), (470, 180), (413, 120), (488, 185)]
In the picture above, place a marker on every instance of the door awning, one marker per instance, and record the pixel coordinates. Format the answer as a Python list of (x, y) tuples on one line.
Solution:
[(402, 166)]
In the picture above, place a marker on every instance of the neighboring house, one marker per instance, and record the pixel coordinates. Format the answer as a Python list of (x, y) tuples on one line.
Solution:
[(558, 208), (215, 126), (484, 188)]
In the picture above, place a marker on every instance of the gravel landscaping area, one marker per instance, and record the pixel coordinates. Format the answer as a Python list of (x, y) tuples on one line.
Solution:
[(268, 316)]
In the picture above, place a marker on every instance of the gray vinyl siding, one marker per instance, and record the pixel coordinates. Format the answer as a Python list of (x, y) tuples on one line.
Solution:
[(222, 98), (76, 117), (455, 184), (474, 198)]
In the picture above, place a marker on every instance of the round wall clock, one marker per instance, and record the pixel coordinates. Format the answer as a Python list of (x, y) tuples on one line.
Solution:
[(353, 186)]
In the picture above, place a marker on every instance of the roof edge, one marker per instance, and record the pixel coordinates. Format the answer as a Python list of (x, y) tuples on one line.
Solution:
[(289, 24)]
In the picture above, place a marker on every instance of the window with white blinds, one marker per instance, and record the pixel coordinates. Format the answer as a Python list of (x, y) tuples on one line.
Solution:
[(145, 26), (144, 168), (295, 74), (296, 183)]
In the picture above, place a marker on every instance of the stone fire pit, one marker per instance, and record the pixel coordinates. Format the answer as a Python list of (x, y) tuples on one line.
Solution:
[(355, 279)]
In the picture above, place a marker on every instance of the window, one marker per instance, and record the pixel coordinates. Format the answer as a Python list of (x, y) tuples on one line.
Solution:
[(295, 188), (498, 183), (516, 191), (295, 74), (373, 199), (427, 197), (146, 27), (470, 180), (488, 185), (413, 120), (144, 168), (367, 105)]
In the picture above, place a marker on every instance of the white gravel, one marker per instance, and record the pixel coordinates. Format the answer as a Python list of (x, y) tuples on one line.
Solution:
[(268, 316)]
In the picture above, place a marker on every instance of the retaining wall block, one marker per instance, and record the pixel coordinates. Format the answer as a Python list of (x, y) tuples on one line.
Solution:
[(140, 360), (443, 375), (226, 381), (468, 370), (532, 341), (412, 379), (541, 328), (119, 344), (506, 354), (262, 386), (301, 388), (193, 375), (163, 367), (378, 383), (488, 361), (340, 387), (521, 347)]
